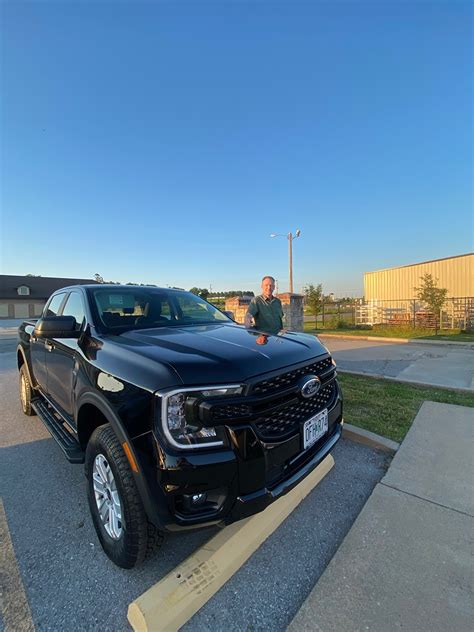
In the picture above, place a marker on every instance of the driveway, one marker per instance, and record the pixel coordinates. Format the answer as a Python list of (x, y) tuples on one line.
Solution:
[(435, 364)]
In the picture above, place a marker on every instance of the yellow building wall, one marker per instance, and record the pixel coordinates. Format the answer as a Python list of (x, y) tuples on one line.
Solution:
[(455, 273)]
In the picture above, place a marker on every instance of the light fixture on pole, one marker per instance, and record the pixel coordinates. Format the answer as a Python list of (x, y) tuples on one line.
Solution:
[(290, 238)]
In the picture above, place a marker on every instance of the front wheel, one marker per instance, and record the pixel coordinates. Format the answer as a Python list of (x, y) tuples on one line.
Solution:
[(117, 511)]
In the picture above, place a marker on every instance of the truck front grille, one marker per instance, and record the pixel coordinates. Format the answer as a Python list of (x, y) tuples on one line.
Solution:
[(231, 411), (274, 406), (286, 421), (291, 377)]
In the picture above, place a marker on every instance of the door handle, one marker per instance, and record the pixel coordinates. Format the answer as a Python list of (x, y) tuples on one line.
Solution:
[(49, 346)]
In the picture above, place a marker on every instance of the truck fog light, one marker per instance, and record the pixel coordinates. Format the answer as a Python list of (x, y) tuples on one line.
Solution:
[(198, 499)]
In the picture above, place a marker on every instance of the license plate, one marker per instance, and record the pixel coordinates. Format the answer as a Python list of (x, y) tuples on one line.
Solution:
[(314, 428)]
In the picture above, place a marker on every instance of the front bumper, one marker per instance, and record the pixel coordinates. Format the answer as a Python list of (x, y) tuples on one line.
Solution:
[(250, 504), (238, 481)]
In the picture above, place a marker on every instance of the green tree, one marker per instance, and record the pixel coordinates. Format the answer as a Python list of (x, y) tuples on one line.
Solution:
[(200, 291), (314, 299), (432, 295)]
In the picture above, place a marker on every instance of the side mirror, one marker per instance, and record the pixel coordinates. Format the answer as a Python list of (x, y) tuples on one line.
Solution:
[(228, 313), (56, 327)]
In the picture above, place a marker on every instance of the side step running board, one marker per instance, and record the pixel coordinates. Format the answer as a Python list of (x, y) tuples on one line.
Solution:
[(67, 442)]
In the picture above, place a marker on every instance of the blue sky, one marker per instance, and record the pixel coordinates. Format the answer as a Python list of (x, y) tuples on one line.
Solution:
[(162, 142)]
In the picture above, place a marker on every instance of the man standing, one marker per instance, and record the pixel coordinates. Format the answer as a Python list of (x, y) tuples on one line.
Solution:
[(265, 311)]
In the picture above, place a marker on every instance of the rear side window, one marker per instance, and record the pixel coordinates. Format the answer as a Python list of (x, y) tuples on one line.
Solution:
[(52, 308), (74, 307)]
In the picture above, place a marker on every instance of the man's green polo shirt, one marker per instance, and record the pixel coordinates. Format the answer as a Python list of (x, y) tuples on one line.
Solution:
[(268, 314)]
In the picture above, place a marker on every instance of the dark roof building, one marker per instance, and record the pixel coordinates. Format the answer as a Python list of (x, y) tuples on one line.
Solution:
[(36, 287), (25, 296)]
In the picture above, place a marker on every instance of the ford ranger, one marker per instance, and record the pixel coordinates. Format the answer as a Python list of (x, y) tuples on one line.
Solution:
[(182, 417)]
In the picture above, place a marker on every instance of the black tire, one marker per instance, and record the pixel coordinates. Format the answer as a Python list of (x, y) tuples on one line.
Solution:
[(138, 538), (26, 392)]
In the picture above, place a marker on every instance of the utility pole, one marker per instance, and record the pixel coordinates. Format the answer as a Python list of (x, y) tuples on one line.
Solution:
[(290, 258), (290, 238)]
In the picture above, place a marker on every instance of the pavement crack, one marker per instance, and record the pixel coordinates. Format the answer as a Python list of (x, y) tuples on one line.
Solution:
[(427, 500)]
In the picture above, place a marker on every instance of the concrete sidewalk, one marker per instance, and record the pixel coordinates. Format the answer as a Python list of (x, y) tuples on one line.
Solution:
[(406, 562)]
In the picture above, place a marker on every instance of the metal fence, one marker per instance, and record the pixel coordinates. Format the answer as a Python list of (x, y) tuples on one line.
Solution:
[(457, 313)]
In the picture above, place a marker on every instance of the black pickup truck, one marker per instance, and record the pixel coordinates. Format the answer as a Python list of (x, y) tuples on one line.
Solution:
[(182, 417)]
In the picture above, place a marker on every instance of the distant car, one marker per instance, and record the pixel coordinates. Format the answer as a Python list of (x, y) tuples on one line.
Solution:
[(182, 417)]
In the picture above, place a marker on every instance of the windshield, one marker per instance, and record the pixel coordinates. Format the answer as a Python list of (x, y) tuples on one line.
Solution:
[(141, 308)]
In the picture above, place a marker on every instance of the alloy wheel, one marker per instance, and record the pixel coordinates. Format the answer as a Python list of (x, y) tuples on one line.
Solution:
[(107, 497), (23, 392)]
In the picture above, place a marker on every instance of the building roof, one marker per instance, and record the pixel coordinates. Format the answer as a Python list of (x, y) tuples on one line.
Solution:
[(419, 263), (40, 287)]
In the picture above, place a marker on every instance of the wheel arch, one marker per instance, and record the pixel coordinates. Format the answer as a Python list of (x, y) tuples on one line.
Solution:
[(92, 405), (21, 360)]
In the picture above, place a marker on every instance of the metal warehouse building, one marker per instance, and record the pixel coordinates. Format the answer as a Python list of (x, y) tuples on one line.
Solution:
[(390, 295), (454, 273)]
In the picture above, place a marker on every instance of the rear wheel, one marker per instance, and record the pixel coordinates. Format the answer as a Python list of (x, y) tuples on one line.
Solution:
[(117, 511), (26, 392)]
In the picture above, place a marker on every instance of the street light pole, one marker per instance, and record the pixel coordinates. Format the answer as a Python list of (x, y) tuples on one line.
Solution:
[(290, 259), (290, 238)]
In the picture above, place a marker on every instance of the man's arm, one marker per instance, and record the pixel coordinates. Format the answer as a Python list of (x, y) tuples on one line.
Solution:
[(252, 312), (282, 316)]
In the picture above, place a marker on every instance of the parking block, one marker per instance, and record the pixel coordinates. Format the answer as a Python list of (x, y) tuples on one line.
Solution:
[(171, 602)]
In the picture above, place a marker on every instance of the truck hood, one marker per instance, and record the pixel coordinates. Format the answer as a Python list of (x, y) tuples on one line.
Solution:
[(217, 354)]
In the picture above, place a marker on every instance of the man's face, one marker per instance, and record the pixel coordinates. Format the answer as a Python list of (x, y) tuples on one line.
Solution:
[(267, 287)]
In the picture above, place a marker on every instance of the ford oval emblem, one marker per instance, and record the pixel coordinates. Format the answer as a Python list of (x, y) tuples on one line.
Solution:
[(311, 387)]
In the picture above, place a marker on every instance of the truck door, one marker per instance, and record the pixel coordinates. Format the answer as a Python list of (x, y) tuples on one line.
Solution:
[(61, 358), (38, 346)]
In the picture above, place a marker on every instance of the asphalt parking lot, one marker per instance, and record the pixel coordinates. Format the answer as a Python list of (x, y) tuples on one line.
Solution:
[(70, 584)]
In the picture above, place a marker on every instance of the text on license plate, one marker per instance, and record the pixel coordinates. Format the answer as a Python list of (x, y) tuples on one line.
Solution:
[(314, 428)]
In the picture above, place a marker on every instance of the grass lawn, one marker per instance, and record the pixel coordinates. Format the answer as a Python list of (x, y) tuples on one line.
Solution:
[(389, 408), (395, 332)]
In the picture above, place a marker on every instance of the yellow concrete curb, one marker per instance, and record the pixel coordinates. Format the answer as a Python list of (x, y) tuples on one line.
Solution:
[(171, 602)]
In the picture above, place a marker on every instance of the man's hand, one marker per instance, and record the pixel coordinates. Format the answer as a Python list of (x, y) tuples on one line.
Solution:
[(249, 321)]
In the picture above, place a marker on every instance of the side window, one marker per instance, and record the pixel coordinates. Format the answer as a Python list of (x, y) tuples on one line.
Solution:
[(52, 308), (74, 307)]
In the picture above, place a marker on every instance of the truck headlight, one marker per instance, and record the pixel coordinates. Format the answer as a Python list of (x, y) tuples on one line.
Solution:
[(181, 427)]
